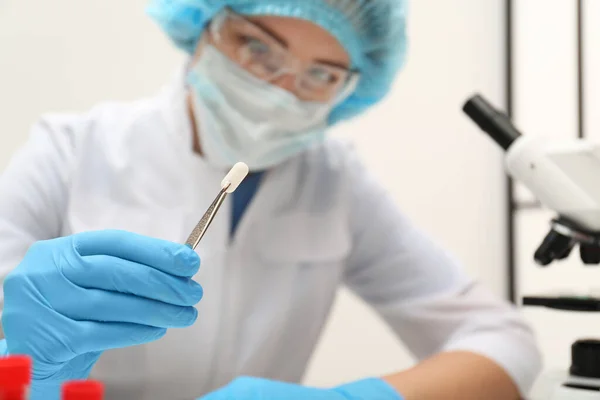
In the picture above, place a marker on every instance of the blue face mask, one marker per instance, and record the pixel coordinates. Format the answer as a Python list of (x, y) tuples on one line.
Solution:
[(242, 118)]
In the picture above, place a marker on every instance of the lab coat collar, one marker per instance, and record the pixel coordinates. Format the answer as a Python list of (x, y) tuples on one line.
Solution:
[(174, 105)]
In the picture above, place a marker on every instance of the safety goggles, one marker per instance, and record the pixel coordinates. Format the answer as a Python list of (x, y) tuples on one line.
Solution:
[(257, 51)]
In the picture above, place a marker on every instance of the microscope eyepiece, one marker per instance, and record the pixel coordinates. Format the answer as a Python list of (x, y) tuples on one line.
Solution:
[(493, 122)]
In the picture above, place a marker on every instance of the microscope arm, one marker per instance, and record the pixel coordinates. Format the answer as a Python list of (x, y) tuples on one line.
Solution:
[(564, 175)]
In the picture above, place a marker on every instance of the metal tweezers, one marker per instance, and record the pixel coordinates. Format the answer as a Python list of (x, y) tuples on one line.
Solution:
[(200, 229)]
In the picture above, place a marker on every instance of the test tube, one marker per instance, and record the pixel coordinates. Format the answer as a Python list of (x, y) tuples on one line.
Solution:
[(15, 377), (83, 390)]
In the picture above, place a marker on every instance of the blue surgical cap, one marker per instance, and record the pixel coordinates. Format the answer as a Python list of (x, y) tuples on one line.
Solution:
[(373, 32)]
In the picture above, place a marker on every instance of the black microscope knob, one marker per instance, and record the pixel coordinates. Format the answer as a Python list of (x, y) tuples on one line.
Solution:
[(590, 255), (585, 358)]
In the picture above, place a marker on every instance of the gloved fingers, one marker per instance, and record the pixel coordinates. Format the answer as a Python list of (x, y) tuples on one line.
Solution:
[(234, 390), (223, 393), (101, 336), (246, 387), (104, 306), (118, 275), (172, 258)]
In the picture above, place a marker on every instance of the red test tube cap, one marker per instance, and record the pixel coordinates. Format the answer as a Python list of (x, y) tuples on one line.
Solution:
[(83, 390), (15, 371)]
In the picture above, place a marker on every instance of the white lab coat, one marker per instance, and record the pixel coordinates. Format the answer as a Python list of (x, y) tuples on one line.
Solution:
[(317, 222)]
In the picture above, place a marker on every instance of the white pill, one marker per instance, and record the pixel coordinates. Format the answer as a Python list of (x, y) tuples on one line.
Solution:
[(235, 176)]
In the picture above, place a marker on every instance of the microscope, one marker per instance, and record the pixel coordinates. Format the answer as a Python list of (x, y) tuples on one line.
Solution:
[(564, 176)]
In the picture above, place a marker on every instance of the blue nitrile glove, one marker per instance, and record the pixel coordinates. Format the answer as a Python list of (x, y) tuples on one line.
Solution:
[(248, 388), (73, 297)]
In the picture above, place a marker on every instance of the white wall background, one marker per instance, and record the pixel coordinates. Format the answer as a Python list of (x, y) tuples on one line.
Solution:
[(66, 55)]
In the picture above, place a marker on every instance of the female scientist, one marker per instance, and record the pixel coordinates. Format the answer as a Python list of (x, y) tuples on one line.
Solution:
[(94, 207)]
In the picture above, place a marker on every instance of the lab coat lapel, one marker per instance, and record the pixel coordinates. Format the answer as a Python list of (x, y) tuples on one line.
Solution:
[(267, 202)]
